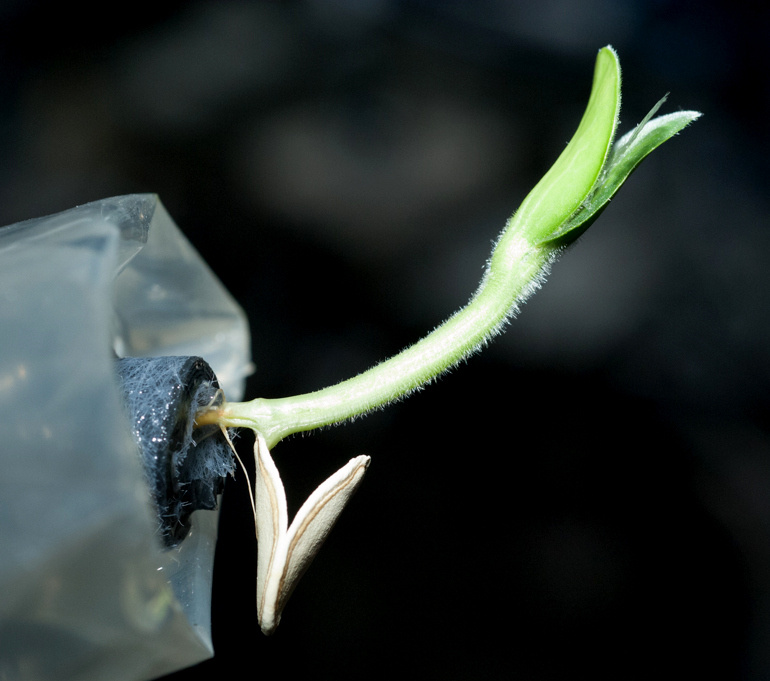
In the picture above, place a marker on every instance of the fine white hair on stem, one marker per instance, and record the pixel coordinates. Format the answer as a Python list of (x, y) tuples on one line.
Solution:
[(514, 271), (562, 205)]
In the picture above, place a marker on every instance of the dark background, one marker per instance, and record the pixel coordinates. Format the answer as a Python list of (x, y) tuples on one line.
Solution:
[(587, 497)]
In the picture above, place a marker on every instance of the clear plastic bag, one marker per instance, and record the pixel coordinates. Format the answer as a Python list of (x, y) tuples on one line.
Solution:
[(86, 591)]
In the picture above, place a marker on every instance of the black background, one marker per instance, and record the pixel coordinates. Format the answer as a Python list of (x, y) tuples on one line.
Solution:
[(587, 497)]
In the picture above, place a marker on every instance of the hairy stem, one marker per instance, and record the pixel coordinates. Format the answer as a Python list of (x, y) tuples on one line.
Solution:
[(515, 270), (562, 205)]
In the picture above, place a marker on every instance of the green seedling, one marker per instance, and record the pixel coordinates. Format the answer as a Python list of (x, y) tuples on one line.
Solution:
[(554, 214)]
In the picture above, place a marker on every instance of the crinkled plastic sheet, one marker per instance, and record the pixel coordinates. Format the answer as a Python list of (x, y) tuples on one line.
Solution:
[(86, 591)]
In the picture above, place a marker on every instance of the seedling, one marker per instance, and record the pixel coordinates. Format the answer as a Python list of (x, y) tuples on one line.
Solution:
[(556, 212)]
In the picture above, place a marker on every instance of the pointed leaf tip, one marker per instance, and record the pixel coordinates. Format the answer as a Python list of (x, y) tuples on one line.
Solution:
[(566, 185), (627, 153)]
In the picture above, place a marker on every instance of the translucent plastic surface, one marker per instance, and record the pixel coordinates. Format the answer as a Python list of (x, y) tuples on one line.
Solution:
[(86, 592)]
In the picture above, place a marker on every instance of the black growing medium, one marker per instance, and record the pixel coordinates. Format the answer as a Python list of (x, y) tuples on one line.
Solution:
[(185, 470)]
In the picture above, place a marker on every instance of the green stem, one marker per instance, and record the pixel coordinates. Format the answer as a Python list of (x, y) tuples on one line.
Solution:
[(514, 271), (561, 206)]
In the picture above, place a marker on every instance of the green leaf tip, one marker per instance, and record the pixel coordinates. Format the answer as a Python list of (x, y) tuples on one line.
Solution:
[(626, 154), (591, 168), (569, 181)]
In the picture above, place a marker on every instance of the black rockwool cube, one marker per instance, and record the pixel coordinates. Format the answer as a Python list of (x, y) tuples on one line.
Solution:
[(186, 469)]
